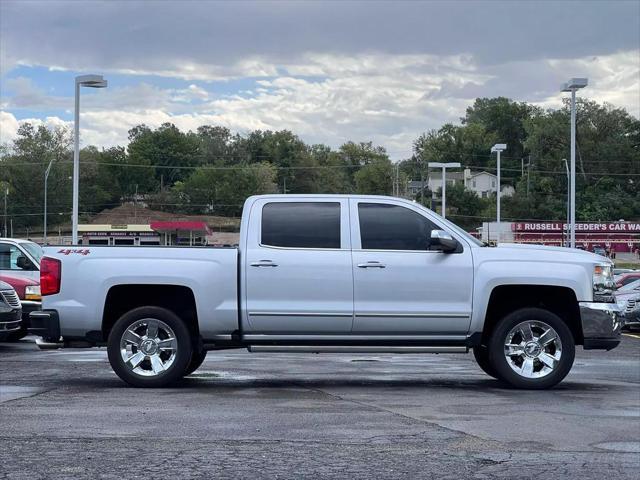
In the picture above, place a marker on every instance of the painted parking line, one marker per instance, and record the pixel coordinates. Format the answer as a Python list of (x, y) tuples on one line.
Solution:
[(632, 335)]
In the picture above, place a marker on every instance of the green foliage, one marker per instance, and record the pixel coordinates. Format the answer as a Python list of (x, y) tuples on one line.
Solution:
[(465, 205), (213, 170), (375, 178)]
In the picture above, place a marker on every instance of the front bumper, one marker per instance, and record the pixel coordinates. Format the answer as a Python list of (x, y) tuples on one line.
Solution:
[(601, 325), (10, 322)]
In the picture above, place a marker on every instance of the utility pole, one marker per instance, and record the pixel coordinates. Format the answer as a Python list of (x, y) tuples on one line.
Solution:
[(6, 194), (528, 174), (421, 163), (444, 167), (44, 223)]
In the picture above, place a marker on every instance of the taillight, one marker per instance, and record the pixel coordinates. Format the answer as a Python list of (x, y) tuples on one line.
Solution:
[(50, 270)]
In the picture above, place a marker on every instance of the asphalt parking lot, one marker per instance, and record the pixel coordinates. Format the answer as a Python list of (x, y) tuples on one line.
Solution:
[(64, 414)]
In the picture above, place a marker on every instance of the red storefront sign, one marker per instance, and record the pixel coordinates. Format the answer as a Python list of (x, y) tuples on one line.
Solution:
[(620, 236)]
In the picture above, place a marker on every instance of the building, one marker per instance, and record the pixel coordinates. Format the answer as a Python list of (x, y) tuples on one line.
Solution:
[(156, 233), (102, 234), (434, 183), (483, 184)]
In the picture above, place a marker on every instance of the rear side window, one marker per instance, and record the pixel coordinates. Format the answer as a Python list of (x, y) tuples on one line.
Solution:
[(391, 227), (301, 224)]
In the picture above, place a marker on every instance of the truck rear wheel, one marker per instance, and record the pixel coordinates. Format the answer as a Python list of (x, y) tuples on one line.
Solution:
[(149, 347), (531, 348)]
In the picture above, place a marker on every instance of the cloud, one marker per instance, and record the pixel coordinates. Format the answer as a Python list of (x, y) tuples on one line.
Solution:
[(388, 99), (220, 40)]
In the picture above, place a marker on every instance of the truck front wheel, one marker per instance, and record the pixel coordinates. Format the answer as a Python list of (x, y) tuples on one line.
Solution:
[(196, 360), (149, 347), (531, 348)]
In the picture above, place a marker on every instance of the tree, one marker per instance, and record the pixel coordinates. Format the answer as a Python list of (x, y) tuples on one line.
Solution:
[(463, 206), (222, 191), (375, 178)]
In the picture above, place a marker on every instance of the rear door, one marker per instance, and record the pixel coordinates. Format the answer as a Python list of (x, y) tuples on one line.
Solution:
[(298, 268), (401, 285)]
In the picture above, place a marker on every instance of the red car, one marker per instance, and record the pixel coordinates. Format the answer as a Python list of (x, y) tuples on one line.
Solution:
[(28, 291), (627, 278)]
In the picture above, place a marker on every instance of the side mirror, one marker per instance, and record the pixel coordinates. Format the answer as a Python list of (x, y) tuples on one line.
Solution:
[(23, 263), (443, 241)]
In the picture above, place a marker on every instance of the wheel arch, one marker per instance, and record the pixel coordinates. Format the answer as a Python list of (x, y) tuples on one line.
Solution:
[(559, 300), (123, 298)]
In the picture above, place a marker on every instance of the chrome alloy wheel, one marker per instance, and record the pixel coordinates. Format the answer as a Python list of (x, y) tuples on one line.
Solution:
[(148, 347), (533, 349)]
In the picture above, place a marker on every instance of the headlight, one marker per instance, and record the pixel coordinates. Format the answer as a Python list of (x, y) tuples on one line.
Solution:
[(603, 284), (32, 292)]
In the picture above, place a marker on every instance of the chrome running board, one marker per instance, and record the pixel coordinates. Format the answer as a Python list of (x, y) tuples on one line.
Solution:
[(351, 349)]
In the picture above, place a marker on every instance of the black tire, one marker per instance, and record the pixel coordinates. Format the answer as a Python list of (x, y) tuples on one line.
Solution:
[(183, 351), (498, 360), (481, 354), (196, 360)]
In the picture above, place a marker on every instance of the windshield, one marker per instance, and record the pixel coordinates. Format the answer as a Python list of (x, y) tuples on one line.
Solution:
[(34, 250), (630, 286)]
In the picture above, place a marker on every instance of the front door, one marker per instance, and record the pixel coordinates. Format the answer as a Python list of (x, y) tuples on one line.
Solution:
[(401, 286), (297, 268)]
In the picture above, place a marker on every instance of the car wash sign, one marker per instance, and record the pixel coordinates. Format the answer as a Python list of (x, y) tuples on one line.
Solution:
[(554, 227)]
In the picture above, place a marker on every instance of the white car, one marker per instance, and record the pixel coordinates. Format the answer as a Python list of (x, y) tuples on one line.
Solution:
[(331, 273), (20, 258)]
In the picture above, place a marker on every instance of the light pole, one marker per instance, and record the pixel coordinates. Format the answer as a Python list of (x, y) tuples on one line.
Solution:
[(498, 147), (572, 86), (444, 167), (44, 223), (6, 194), (566, 166), (92, 81)]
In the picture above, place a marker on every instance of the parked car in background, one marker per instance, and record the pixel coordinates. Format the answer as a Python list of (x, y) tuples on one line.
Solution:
[(628, 298), (600, 251), (627, 278), (28, 292), (619, 271), (20, 258), (10, 311)]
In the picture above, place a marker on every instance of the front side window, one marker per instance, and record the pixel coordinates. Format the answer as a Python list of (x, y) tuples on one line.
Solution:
[(301, 224), (9, 255), (391, 227)]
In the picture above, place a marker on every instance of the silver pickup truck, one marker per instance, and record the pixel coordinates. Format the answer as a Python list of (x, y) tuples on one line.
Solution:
[(331, 273)]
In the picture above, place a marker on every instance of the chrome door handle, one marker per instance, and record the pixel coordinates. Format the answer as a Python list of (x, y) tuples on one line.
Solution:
[(264, 263), (371, 265)]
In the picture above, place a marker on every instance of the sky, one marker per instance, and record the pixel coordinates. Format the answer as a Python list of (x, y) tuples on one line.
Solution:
[(329, 71)]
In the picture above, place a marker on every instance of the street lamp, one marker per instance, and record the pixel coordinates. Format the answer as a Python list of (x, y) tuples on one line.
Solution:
[(92, 81), (498, 147), (566, 166), (571, 86), (46, 179), (444, 167)]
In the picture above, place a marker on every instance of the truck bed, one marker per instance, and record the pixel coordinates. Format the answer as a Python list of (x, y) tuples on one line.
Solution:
[(89, 273)]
